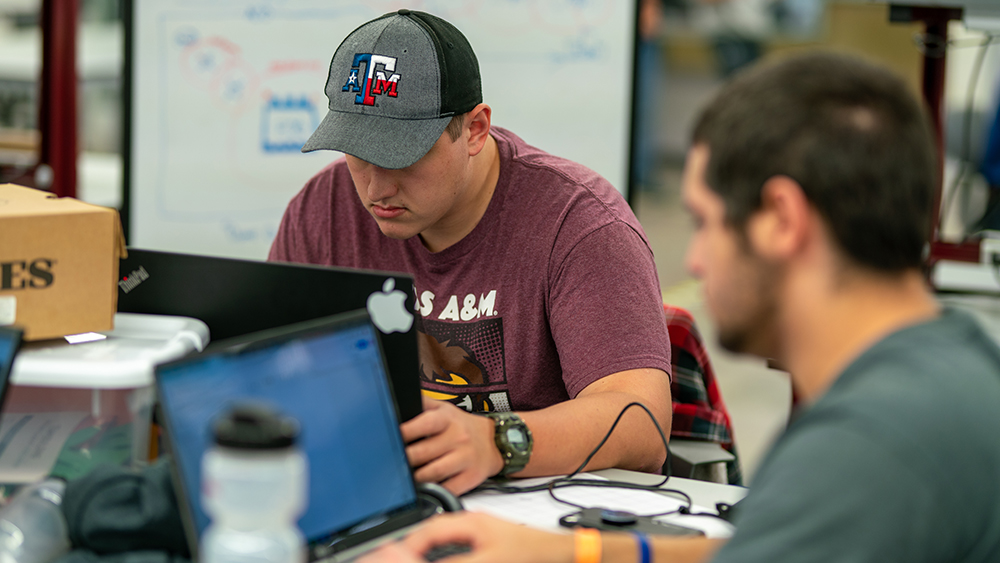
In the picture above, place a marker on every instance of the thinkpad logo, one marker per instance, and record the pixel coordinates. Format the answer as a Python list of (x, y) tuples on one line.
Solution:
[(129, 282)]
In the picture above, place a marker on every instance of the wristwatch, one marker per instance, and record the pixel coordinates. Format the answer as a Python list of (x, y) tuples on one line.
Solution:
[(513, 438)]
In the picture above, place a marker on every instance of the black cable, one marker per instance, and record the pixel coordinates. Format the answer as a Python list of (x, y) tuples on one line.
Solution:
[(493, 486), (663, 439), (722, 514), (966, 44), (935, 46), (568, 481), (563, 482), (930, 45)]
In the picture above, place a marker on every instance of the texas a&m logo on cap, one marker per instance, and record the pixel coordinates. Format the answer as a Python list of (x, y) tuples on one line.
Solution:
[(380, 78)]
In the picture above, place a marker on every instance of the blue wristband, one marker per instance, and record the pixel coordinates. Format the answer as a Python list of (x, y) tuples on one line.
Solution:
[(644, 555)]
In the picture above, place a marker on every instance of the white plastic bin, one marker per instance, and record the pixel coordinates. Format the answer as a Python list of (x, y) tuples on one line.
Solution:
[(69, 390)]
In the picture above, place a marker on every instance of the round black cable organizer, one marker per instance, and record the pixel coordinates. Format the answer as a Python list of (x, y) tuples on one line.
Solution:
[(569, 481)]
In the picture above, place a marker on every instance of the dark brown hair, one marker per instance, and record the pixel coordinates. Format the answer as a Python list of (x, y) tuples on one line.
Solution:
[(849, 132)]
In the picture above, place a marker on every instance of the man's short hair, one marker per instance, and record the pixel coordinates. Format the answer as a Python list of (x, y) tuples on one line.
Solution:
[(848, 132), (454, 127)]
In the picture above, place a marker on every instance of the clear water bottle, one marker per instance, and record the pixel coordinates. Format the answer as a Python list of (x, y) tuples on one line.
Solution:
[(32, 526), (254, 489)]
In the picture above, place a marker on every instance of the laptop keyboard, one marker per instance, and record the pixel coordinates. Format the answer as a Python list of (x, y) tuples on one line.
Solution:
[(447, 550)]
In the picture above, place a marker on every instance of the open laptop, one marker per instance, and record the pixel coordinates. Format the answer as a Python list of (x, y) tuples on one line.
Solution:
[(10, 341), (239, 297), (329, 374)]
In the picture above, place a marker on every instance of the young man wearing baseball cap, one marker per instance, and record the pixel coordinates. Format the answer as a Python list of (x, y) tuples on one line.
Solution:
[(535, 284), (811, 183)]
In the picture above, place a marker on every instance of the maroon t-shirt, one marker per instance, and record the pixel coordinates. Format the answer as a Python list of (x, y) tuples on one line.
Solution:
[(552, 290)]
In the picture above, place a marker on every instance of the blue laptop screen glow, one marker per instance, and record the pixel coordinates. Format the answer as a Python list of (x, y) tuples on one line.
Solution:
[(8, 343), (334, 384)]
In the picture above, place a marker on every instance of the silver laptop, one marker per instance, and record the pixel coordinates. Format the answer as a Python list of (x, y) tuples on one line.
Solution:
[(330, 375)]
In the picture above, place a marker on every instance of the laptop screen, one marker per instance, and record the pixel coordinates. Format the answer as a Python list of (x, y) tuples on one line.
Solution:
[(327, 374), (10, 340)]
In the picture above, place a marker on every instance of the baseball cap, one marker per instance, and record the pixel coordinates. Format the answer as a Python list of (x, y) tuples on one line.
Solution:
[(394, 84)]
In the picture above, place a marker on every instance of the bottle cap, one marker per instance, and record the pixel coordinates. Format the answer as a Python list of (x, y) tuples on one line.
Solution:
[(255, 427)]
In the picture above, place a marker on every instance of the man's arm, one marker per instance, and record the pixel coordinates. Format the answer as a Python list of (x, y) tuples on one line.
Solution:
[(450, 446), (567, 432), (497, 541), (623, 547)]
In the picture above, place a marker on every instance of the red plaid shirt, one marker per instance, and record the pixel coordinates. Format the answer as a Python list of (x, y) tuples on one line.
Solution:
[(699, 413)]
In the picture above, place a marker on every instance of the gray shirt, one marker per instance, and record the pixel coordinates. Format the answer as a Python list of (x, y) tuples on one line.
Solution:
[(898, 461)]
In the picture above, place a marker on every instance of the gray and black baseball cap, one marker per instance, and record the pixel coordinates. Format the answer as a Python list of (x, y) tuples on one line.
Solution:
[(394, 85)]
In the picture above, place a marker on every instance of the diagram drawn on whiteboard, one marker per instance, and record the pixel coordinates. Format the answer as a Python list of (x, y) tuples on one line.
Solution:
[(233, 89)]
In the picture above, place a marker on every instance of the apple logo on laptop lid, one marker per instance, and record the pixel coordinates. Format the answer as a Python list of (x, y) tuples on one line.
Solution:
[(388, 309)]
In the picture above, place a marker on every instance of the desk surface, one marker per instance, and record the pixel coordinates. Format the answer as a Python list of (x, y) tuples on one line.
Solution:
[(540, 510), (702, 493)]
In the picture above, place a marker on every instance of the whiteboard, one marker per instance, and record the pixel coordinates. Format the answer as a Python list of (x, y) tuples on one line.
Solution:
[(223, 93)]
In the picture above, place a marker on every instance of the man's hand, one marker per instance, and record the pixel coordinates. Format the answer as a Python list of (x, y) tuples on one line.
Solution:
[(491, 540), (392, 552), (450, 446)]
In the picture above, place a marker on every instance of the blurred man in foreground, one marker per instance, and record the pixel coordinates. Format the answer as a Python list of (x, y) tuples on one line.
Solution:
[(811, 182)]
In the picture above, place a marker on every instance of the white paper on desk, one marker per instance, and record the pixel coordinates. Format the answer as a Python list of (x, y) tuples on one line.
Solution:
[(540, 510), (31, 442)]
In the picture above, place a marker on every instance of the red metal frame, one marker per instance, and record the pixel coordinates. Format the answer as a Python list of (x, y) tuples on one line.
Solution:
[(936, 26), (57, 108), (936, 22), (964, 252)]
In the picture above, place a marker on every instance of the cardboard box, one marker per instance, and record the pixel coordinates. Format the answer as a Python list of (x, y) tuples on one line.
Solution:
[(58, 263)]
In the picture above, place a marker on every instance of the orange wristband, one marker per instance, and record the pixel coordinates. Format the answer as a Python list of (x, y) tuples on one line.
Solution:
[(588, 545)]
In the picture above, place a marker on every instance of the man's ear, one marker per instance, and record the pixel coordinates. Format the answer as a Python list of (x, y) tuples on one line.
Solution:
[(780, 227), (478, 124)]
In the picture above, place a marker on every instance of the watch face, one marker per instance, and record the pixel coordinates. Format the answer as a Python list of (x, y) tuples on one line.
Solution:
[(517, 439)]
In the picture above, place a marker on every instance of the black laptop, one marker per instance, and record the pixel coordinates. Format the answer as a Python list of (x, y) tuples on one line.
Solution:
[(329, 375), (238, 297)]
